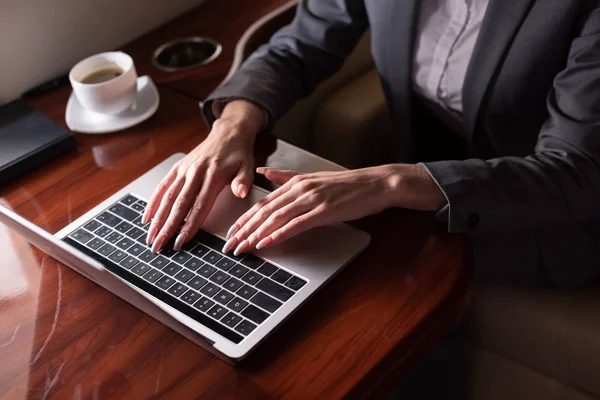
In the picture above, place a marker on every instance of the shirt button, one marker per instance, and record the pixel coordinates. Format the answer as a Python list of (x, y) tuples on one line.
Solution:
[(473, 221)]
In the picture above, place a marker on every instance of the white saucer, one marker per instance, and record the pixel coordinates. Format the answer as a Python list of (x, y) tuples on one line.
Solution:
[(82, 120)]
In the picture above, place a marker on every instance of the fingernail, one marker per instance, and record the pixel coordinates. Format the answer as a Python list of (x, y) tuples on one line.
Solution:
[(145, 216), (232, 231), (229, 245), (241, 247), (266, 242), (151, 234), (242, 190), (261, 170), (180, 241), (158, 243)]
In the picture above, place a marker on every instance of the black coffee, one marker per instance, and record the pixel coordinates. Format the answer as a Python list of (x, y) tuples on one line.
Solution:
[(102, 75)]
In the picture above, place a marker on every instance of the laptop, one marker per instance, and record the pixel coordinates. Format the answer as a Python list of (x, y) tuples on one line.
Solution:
[(226, 304)]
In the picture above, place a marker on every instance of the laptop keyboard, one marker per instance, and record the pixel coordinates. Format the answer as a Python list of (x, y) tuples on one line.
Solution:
[(230, 295)]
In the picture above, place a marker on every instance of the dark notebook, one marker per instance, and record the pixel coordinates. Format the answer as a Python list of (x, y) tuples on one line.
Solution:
[(28, 139)]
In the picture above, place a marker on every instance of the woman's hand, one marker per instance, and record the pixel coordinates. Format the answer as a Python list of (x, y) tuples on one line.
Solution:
[(188, 192), (305, 201)]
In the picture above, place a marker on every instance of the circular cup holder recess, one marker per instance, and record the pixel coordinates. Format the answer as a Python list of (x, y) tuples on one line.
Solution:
[(186, 53)]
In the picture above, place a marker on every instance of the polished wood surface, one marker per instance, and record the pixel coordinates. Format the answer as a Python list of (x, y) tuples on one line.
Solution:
[(63, 336)]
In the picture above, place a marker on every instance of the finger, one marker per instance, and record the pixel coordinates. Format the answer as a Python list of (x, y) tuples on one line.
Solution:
[(242, 181), (164, 209), (277, 176), (278, 219), (257, 220), (159, 192), (199, 211), (179, 211), (300, 224), (254, 209)]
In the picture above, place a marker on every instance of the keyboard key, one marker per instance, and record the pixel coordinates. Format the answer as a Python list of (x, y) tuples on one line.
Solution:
[(219, 277), (238, 270), (128, 262), (217, 312), (190, 297), (129, 199), (153, 275), (231, 320), (252, 262), (295, 283), (123, 227), (252, 277), (265, 302), (267, 269), (106, 249), (124, 212), (206, 270), (114, 237), (138, 222), (224, 297), (82, 236), (209, 240), (184, 275), (199, 251), (171, 269), (237, 304), (109, 219), (135, 233), (281, 276), (212, 257), (142, 203), (181, 257), (117, 256), (103, 231), (225, 264), (197, 282), (233, 284), (177, 289), (168, 251), (254, 314), (124, 243), (165, 282), (204, 304), (210, 289), (245, 327), (140, 269), (142, 239), (138, 207), (274, 289), (147, 256), (95, 243), (246, 292), (193, 264), (159, 262), (136, 249), (92, 226)]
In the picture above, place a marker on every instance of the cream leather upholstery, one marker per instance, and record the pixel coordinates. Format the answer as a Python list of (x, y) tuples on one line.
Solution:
[(517, 343)]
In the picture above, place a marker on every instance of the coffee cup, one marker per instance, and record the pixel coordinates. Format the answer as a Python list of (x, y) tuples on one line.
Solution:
[(105, 83)]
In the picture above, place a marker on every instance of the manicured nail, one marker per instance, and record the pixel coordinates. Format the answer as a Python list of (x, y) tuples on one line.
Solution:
[(261, 170), (180, 241), (241, 247), (145, 216), (242, 190), (158, 243), (152, 234), (266, 242), (232, 231), (229, 245)]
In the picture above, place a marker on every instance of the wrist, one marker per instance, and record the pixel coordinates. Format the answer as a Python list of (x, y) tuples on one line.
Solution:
[(244, 117), (411, 186)]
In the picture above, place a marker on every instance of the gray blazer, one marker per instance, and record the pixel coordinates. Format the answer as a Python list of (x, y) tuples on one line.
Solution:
[(530, 191)]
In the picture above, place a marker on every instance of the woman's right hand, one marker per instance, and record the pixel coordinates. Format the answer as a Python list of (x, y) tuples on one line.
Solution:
[(186, 195)]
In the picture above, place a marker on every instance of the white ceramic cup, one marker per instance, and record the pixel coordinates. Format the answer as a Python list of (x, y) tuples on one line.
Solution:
[(109, 97)]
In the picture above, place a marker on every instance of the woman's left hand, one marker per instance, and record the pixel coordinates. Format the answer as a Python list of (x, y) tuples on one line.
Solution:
[(305, 201)]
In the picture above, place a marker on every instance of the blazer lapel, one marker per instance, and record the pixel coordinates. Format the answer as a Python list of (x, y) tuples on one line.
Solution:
[(499, 27)]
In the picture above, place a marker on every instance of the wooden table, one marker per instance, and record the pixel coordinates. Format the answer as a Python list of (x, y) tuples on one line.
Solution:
[(63, 336)]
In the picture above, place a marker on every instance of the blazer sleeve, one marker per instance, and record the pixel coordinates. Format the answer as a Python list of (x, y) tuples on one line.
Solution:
[(560, 181), (297, 58)]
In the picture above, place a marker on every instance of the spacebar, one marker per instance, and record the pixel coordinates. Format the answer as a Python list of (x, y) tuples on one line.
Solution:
[(159, 294)]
